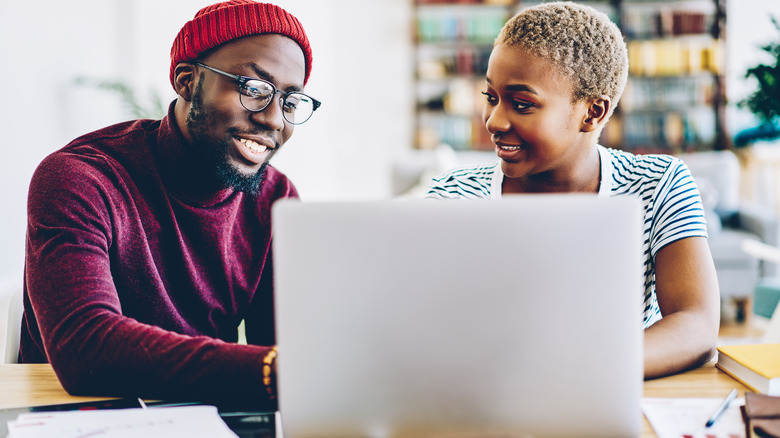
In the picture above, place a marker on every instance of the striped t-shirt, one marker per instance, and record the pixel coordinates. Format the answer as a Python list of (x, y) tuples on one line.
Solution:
[(671, 201)]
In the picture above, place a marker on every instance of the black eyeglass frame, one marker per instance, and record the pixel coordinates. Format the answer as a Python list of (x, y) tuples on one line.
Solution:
[(242, 81)]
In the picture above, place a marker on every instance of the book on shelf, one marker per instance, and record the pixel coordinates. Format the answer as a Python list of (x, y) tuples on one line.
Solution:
[(674, 57), (757, 366), (668, 131), (668, 93), (465, 26), (640, 22)]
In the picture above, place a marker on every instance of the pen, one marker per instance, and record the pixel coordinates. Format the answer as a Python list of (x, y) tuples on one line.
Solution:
[(722, 408)]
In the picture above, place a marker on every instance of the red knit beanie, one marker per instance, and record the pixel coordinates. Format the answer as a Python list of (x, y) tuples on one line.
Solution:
[(226, 21)]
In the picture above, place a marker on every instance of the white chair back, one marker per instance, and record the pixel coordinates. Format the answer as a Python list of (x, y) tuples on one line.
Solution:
[(770, 254), (11, 310)]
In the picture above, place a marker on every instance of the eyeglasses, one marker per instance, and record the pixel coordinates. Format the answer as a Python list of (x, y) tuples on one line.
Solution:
[(256, 94)]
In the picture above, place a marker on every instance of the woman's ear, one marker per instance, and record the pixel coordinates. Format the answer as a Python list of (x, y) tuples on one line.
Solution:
[(598, 109), (184, 80)]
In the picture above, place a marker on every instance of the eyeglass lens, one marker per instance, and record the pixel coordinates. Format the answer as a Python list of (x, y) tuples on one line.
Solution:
[(297, 107)]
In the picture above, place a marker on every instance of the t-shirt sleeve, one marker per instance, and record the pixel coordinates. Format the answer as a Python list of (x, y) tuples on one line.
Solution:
[(463, 183), (440, 188), (679, 212)]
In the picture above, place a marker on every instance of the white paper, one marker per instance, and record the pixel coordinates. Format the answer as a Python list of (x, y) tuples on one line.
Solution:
[(163, 422), (686, 417)]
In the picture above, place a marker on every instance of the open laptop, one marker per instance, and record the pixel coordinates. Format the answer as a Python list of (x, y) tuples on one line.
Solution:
[(520, 317)]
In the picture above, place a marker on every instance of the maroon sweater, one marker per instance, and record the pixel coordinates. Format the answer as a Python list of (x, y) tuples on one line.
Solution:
[(135, 281)]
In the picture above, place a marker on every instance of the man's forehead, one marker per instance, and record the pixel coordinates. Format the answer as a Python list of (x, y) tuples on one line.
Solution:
[(272, 57)]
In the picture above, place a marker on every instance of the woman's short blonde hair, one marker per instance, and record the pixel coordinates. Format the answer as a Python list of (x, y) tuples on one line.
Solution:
[(585, 45)]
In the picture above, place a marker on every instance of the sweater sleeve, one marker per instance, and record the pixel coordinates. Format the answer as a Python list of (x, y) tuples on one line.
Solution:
[(93, 348)]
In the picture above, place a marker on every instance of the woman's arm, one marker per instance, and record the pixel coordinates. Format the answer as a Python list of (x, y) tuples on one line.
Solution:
[(689, 299)]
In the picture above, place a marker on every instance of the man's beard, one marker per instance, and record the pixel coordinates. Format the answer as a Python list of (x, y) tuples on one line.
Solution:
[(213, 154)]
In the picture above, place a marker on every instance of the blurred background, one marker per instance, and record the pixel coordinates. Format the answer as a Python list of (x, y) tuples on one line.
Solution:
[(397, 79)]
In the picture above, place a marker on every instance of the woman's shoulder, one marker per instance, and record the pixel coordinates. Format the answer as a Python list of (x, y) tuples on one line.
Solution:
[(653, 166), (473, 172), (472, 181)]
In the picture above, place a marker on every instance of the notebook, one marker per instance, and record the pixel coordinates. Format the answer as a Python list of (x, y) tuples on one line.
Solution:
[(519, 317)]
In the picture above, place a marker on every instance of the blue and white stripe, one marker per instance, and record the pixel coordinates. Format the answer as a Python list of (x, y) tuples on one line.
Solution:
[(668, 193)]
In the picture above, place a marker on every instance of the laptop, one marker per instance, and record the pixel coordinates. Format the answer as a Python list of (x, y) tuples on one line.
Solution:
[(512, 318)]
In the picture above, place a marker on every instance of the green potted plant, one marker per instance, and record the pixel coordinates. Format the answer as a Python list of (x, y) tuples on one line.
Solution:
[(765, 101), (155, 108)]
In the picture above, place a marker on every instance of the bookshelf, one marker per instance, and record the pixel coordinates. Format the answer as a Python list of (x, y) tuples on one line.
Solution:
[(453, 40), (675, 100)]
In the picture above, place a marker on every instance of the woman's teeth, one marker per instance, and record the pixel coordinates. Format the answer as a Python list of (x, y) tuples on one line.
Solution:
[(253, 145), (511, 148)]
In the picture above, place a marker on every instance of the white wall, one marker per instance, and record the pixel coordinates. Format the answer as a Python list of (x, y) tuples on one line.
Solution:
[(43, 48), (361, 71)]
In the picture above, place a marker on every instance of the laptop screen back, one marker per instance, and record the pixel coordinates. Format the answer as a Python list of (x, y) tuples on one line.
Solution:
[(438, 318)]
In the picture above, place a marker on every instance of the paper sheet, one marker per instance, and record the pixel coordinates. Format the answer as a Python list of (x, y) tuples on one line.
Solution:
[(686, 417), (166, 422)]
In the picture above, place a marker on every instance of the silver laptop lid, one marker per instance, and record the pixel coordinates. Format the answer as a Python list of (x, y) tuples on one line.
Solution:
[(459, 318)]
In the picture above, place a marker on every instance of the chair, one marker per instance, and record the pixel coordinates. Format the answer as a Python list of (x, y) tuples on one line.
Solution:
[(11, 310), (731, 222), (767, 293), (772, 332)]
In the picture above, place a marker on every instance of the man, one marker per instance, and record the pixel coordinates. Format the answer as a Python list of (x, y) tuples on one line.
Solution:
[(149, 241)]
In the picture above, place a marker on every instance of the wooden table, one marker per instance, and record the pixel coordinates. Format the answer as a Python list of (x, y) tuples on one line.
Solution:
[(36, 385), (706, 381), (33, 385)]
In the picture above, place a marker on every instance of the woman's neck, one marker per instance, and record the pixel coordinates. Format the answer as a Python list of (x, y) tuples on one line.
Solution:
[(584, 177)]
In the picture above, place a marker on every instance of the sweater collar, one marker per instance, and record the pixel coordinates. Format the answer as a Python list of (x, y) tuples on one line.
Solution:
[(184, 176)]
